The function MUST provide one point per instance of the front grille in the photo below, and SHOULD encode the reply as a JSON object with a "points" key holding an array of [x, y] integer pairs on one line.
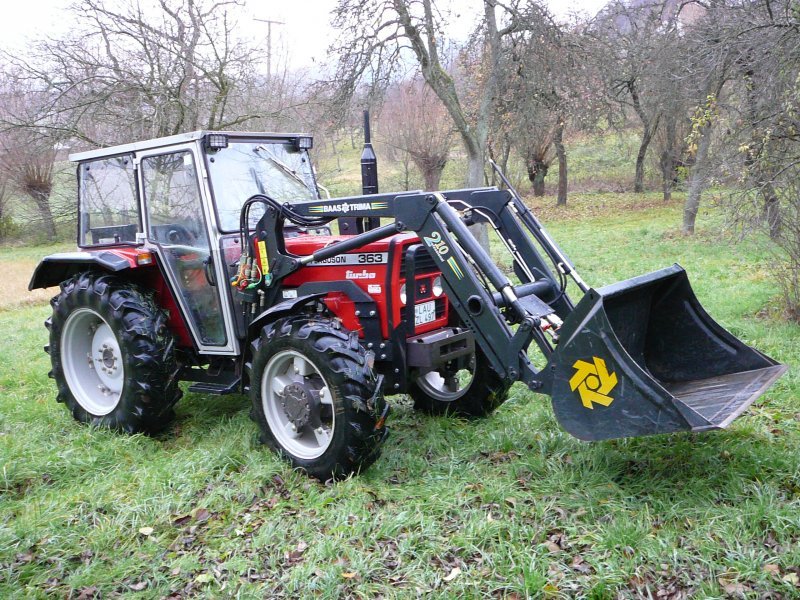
{"points": [[423, 261]]}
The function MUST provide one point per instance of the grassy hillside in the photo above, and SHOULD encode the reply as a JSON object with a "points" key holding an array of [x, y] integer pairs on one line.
{"points": [[509, 506]]}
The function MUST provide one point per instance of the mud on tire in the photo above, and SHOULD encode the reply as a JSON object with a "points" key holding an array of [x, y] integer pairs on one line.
{"points": [[309, 361], [118, 329]]}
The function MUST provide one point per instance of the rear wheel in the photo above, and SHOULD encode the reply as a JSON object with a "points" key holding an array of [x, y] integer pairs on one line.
{"points": [[472, 389], [315, 398], [112, 355]]}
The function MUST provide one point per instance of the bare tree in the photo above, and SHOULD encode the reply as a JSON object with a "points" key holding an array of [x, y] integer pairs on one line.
{"points": [[415, 121], [540, 89], [27, 155], [27, 167], [761, 150], [634, 43], [379, 37], [141, 69], [707, 71]]}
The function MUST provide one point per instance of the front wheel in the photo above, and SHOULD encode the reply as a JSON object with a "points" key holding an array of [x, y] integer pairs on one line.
{"points": [[470, 390], [315, 397]]}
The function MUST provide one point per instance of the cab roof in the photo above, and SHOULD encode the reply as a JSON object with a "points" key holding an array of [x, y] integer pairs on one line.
{"points": [[180, 138]]}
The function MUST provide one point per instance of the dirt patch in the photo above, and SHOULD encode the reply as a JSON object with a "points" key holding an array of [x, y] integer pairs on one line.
{"points": [[15, 274]]}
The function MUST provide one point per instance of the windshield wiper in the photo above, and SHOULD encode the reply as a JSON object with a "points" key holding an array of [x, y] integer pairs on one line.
{"points": [[287, 170]]}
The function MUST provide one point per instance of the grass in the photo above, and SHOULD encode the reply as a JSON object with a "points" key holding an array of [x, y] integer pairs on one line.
{"points": [[509, 506]]}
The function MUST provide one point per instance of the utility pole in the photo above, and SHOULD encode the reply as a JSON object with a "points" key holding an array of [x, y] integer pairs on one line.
{"points": [[269, 23]]}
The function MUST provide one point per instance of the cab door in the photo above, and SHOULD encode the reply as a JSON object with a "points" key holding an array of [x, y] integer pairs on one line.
{"points": [[178, 225]]}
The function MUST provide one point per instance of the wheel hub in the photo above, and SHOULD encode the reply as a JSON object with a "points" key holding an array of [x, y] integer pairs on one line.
{"points": [[92, 362], [296, 402], [108, 358]]}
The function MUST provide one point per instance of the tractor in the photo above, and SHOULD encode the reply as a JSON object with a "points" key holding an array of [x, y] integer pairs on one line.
{"points": [[215, 258]]}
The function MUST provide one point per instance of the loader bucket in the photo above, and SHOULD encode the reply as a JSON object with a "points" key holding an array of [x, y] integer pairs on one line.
{"points": [[642, 357]]}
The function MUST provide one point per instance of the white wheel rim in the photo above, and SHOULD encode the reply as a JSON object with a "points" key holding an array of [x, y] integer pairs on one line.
{"points": [[297, 404], [449, 388], [92, 362]]}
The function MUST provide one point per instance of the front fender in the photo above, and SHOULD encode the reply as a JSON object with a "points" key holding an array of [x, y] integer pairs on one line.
{"points": [[56, 268], [283, 309]]}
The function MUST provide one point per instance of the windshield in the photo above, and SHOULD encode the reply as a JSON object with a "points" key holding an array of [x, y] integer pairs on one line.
{"points": [[243, 169]]}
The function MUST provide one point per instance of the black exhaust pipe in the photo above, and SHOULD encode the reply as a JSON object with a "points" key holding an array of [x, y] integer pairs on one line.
{"points": [[369, 185]]}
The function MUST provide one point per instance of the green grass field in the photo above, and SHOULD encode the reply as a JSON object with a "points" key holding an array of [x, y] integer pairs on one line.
{"points": [[509, 506]]}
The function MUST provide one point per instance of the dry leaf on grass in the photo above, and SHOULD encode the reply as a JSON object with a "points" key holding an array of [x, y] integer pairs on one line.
{"points": [[453, 574]]}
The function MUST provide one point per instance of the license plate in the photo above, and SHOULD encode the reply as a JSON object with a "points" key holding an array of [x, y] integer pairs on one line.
{"points": [[425, 312]]}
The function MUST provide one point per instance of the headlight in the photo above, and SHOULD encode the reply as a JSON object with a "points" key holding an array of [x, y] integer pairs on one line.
{"points": [[438, 290], [403, 296]]}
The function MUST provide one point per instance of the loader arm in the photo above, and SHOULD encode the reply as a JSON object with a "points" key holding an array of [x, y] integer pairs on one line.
{"points": [[639, 357], [440, 221]]}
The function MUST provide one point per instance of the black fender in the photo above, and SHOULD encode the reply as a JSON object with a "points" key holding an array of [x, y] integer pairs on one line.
{"points": [[56, 268], [282, 309]]}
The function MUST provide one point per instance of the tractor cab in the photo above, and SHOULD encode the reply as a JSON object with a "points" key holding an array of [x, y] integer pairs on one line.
{"points": [[179, 200]]}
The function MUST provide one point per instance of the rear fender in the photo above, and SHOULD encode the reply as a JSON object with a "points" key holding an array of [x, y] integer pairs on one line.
{"points": [[56, 268]]}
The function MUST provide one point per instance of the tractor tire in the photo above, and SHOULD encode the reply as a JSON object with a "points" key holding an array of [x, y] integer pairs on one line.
{"points": [[113, 357], [472, 392], [315, 397]]}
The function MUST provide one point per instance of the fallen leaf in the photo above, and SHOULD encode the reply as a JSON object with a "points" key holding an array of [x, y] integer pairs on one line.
{"points": [[453, 574], [87, 593], [792, 578], [580, 565], [512, 502], [182, 520], [146, 531], [553, 547], [489, 517], [138, 587], [201, 514], [550, 590], [735, 587], [774, 569], [204, 578], [349, 575]]}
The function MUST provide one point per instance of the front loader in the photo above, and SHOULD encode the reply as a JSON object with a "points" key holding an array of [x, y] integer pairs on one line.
{"points": [[223, 270]]}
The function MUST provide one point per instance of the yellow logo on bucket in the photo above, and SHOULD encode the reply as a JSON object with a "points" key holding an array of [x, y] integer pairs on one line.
{"points": [[593, 382]]}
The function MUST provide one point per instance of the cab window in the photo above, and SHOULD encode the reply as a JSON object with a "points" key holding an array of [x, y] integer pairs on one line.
{"points": [[109, 207]]}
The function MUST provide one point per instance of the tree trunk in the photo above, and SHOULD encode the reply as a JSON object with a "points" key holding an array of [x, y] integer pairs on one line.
{"points": [[474, 169], [772, 212], [475, 179], [697, 181], [432, 176], [760, 174], [48, 223], [406, 173], [537, 171], [504, 160], [647, 137], [667, 160], [561, 153]]}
